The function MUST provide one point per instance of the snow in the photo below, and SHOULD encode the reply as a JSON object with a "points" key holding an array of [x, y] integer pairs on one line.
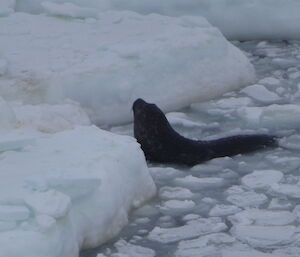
{"points": [[57, 188], [114, 60], [242, 20]]}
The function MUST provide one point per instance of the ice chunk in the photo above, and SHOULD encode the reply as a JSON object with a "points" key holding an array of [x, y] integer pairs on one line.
{"points": [[262, 179], [261, 94], [52, 203], [244, 253], [268, 237], [203, 246], [13, 213], [224, 210], [114, 60], [179, 193], [177, 206], [263, 217], [164, 173], [247, 199], [126, 249], [194, 228], [270, 81], [273, 116], [289, 190], [279, 204], [178, 118], [195, 183], [69, 10]]}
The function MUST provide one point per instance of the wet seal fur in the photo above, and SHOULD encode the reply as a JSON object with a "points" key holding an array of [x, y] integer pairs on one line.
{"points": [[161, 143]]}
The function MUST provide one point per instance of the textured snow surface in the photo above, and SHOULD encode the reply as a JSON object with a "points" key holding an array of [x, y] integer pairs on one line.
{"points": [[114, 60], [69, 190], [255, 19]]}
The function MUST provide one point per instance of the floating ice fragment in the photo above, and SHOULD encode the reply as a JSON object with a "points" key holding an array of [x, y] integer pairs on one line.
{"points": [[69, 10], [289, 190], [263, 217], [177, 206], [247, 199], [196, 183], [194, 228], [268, 237], [208, 245], [127, 249], [262, 179], [261, 94], [223, 210], [180, 193]]}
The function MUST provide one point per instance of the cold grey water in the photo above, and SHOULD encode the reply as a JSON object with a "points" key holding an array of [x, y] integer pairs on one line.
{"points": [[248, 205]]}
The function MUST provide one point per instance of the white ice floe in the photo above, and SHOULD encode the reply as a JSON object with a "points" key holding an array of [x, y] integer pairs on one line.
{"points": [[289, 190], [125, 249], [262, 179], [179, 193], [267, 237], [114, 60], [175, 207], [164, 173], [280, 204], [236, 19], [208, 245], [224, 210], [181, 119], [195, 183], [69, 10], [273, 116], [261, 94], [69, 190], [192, 229], [263, 217], [247, 199]]}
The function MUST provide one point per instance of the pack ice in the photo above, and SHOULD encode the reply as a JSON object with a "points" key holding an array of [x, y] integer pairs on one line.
{"points": [[105, 63]]}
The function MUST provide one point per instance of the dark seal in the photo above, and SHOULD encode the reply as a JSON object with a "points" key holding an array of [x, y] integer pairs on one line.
{"points": [[161, 143]]}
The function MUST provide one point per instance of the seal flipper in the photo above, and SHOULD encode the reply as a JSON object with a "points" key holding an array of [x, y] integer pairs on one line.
{"points": [[240, 144]]}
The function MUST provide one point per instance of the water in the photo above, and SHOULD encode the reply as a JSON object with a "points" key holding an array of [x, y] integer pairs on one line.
{"points": [[202, 202]]}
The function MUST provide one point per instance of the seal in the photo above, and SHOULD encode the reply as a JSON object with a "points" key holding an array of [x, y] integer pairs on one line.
{"points": [[161, 143]]}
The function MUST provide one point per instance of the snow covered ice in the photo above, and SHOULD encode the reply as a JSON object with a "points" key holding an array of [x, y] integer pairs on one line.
{"points": [[114, 60], [67, 185]]}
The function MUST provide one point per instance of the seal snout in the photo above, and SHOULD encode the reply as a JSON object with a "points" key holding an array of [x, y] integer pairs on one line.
{"points": [[138, 103]]}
